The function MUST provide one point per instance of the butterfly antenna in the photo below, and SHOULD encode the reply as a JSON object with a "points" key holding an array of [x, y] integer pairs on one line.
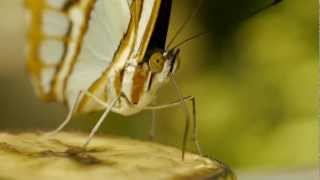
{"points": [[185, 108], [190, 38], [186, 22], [275, 2]]}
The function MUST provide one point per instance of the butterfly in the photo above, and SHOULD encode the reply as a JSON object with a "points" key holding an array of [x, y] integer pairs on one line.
{"points": [[108, 55]]}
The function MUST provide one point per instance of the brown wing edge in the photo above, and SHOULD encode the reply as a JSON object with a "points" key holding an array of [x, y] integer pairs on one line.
{"points": [[98, 87], [34, 37]]}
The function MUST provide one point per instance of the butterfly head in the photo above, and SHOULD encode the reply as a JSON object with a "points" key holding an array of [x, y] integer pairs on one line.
{"points": [[162, 65]]}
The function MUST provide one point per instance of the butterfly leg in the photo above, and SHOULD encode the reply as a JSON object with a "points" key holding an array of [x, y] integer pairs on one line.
{"points": [[106, 112], [195, 126], [69, 116], [100, 121], [194, 118], [152, 132], [73, 109], [153, 121], [103, 116]]}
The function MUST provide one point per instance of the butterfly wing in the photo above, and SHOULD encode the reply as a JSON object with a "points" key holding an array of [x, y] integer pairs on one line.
{"points": [[54, 30], [72, 44], [107, 27], [109, 66], [159, 34]]}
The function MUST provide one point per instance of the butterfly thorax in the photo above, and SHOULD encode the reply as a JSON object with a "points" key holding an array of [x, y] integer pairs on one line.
{"points": [[141, 82]]}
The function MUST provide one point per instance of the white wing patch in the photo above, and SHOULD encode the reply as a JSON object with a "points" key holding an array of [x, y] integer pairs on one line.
{"points": [[51, 51], [47, 75], [55, 23], [49, 35], [145, 17], [56, 3], [78, 17], [108, 23]]}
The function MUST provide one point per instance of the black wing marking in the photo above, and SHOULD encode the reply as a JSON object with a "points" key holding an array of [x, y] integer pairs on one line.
{"points": [[159, 35]]}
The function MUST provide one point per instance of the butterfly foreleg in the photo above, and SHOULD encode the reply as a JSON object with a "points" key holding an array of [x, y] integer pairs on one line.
{"points": [[152, 132], [74, 108], [105, 113], [168, 105], [101, 119], [69, 116], [194, 117]]}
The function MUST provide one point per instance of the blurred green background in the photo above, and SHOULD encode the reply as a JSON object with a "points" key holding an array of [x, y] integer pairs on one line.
{"points": [[255, 82]]}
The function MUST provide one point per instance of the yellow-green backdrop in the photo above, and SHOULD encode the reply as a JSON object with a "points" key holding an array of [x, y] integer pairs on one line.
{"points": [[255, 83]]}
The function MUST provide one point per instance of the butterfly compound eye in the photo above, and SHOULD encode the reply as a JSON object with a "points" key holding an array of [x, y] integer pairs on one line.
{"points": [[156, 62]]}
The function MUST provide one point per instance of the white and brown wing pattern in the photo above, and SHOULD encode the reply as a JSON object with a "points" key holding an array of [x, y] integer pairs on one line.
{"points": [[106, 41], [117, 37], [84, 45], [55, 31]]}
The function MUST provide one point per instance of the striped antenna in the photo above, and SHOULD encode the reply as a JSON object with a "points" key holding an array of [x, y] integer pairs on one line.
{"points": [[275, 2], [186, 22]]}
